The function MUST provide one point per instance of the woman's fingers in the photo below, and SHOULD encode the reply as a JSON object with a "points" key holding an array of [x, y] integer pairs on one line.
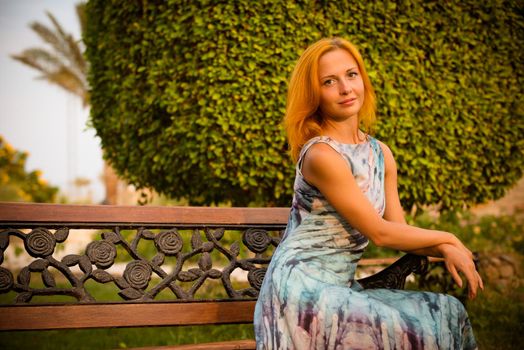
{"points": [[473, 284], [453, 271], [461, 261], [481, 283], [473, 278]]}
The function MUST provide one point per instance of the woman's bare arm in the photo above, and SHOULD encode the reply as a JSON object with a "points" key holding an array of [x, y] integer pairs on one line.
{"points": [[324, 168], [394, 211]]}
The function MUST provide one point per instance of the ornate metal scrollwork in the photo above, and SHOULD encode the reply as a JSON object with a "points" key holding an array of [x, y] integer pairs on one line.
{"points": [[143, 278], [190, 266], [256, 240], [6, 280], [101, 253], [394, 276], [256, 277]]}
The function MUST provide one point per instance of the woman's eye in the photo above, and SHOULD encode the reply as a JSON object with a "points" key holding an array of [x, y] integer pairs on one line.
{"points": [[329, 82], [352, 74]]}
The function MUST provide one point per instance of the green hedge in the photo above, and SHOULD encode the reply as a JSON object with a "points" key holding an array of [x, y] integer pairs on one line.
{"points": [[188, 96]]}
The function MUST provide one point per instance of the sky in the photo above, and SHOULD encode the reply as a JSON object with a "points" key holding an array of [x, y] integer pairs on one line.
{"points": [[38, 117]]}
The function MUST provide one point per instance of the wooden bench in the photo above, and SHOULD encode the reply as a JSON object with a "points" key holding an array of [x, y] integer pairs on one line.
{"points": [[193, 247]]}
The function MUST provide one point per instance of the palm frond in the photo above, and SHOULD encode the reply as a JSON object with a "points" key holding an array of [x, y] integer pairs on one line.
{"points": [[59, 40], [30, 61], [68, 80], [42, 57], [65, 65], [76, 57], [55, 72], [48, 36], [57, 25], [70, 48], [81, 14], [77, 49]]}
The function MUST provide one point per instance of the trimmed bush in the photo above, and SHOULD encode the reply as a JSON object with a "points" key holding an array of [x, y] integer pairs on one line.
{"points": [[188, 96]]}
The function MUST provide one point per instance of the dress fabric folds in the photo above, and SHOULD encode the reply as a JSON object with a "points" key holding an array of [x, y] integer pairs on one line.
{"points": [[310, 299]]}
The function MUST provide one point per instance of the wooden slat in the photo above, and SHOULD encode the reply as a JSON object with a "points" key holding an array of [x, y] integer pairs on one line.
{"points": [[389, 261], [377, 261], [29, 317], [224, 345], [62, 213]]}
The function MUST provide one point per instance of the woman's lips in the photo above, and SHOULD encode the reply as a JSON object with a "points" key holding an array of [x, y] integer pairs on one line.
{"points": [[347, 102]]}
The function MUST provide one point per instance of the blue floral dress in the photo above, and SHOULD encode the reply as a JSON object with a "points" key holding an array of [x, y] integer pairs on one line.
{"points": [[309, 298]]}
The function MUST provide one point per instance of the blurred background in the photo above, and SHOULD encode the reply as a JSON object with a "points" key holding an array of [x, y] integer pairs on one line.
{"points": [[39, 117]]}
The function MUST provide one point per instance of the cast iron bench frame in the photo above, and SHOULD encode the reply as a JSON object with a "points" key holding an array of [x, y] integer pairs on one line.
{"points": [[42, 226]]}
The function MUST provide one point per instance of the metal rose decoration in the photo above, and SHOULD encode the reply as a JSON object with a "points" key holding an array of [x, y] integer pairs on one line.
{"points": [[40, 243], [101, 253], [169, 242], [192, 265], [6, 280], [256, 240], [255, 277], [138, 274]]}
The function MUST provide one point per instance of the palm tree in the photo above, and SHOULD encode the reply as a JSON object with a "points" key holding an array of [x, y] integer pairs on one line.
{"points": [[65, 64]]}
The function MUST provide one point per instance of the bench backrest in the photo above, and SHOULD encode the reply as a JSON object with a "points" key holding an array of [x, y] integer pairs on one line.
{"points": [[172, 253]]}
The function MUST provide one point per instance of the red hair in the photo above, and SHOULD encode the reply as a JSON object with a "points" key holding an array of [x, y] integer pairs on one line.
{"points": [[303, 120]]}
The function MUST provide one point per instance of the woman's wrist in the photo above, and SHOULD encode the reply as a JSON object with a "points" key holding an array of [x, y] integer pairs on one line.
{"points": [[453, 240], [444, 249], [453, 244]]}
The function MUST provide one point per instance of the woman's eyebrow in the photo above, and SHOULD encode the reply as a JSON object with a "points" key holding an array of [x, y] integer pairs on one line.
{"points": [[328, 76], [334, 75]]}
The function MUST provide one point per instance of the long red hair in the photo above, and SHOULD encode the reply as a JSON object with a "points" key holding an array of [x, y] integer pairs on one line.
{"points": [[303, 120]]}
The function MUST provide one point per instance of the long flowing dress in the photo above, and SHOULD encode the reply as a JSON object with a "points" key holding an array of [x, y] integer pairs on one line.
{"points": [[310, 299]]}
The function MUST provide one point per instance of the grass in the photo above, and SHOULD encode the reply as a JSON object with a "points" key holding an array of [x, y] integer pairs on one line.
{"points": [[497, 318], [121, 338]]}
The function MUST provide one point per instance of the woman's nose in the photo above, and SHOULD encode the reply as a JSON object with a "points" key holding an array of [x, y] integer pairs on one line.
{"points": [[344, 87]]}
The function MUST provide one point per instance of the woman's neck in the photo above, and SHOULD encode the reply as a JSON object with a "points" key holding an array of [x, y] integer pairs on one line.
{"points": [[346, 131]]}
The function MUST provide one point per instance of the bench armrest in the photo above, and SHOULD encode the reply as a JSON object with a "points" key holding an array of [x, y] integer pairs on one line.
{"points": [[394, 276]]}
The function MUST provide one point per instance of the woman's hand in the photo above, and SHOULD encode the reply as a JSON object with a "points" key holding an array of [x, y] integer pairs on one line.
{"points": [[460, 259], [460, 246]]}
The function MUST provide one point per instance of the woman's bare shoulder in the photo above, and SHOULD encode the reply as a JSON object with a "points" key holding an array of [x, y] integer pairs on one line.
{"points": [[320, 149], [320, 155], [322, 162]]}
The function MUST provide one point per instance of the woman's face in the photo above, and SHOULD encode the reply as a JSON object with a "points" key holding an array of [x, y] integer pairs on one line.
{"points": [[341, 85]]}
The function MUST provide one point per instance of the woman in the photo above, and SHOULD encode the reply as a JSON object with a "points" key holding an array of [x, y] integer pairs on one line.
{"points": [[345, 195]]}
